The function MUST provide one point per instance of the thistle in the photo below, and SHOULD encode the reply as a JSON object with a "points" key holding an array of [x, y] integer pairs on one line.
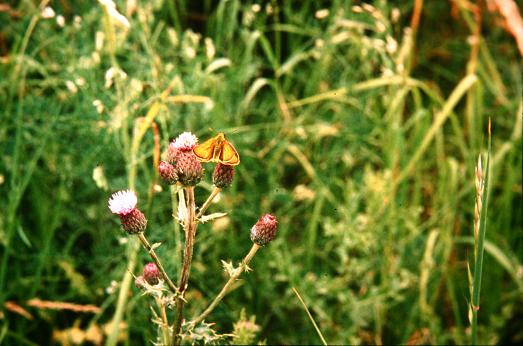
{"points": [[264, 231], [123, 203], [185, 142], [188, 168], [151, 274], [167, 172], [222, 175]]}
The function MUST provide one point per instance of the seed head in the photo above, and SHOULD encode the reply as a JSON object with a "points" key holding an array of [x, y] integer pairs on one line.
{"points": [[264, 231], [223, 175]]}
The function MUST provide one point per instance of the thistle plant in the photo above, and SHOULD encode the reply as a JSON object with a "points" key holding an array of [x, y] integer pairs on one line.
{"points": [[183, 169]]}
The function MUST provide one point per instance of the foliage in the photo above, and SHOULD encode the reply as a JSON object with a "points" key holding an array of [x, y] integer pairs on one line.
{"points": [[358, 128]]}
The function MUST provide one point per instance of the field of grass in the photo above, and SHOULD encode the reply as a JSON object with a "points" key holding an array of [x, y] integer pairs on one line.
{"points": [[359, 126]]}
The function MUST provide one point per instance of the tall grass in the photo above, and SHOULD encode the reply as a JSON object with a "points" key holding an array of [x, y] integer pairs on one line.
{"points": [[359, 129]]}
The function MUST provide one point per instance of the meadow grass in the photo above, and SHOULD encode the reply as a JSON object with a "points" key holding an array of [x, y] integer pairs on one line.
{"points": [[359, 129]]}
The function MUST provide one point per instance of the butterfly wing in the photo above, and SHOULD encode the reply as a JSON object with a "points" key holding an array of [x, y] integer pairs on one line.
{"points": [[204, 152], [229, 155]]}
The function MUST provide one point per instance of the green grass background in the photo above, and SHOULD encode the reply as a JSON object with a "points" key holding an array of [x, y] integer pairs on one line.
{"points": [[378, 247]]}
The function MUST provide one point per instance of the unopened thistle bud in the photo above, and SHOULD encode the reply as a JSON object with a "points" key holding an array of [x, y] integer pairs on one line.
{"points": [[222, 175], [167, 172], [123, 203], [264, 231], [188, 168], [151, 274]]}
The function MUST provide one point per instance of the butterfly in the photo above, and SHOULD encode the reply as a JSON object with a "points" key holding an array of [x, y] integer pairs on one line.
{"points": [[217, 149]]}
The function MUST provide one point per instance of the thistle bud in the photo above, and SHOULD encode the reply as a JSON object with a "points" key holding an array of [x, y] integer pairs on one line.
{"points": [[123, 203], [188, 168], [167, 172], [151, 274], [264, 231], [222, 175]]}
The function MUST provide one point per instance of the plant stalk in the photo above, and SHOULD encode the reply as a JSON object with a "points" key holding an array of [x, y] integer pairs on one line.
{"points": [[208, 202], [482, 192], [190, 232], [165, 322], [227, 286]]}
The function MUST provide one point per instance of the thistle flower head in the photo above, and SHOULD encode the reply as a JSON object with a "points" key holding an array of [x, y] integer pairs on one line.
{"points": [[167, 172], [264, 231], [185, 142], [188, 168], [123, 202], [151, 274], [223, 175]]}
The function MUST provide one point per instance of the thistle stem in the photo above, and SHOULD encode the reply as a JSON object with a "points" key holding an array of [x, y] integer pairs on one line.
{"points": [[227, 285], [208, 202], [190, 232], [157, 261], [165, 322]]}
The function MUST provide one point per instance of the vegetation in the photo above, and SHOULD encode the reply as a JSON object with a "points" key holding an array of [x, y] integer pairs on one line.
{"points": [[359, 126]]}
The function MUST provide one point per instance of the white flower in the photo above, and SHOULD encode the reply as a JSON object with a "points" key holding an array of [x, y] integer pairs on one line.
{"points": [[185, 141], [60, 20], [47, 13], [71, 86], [210, 50], [321, 14], [123, 202], [99, 106], [79, 81], [113, 73], [77, 20]]}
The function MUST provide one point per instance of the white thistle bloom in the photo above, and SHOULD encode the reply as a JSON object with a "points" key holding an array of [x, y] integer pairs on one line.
{"points": [[123, 202], [185, 141]]}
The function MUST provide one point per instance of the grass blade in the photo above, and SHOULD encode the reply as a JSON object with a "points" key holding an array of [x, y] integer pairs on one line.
{"points": [[310, 317]]}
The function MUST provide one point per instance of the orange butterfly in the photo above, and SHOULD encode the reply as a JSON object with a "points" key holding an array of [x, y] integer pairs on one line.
{"points": [[217, 149]]}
